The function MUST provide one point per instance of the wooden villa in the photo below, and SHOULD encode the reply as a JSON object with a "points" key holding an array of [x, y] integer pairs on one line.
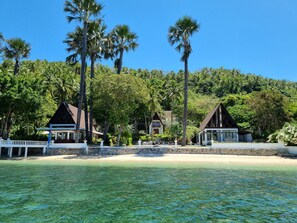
{"points": [[156, 126], [160, 122], [62, 125], [219, 126]]}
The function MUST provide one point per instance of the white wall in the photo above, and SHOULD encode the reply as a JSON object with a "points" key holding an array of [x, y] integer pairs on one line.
{"points": [[243, 145], [292, 149]]}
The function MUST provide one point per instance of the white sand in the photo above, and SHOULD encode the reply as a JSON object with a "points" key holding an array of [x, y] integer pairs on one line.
{"points": [[176, 158]]}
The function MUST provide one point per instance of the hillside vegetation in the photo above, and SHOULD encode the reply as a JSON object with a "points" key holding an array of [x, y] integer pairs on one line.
{"points": [[259, 105]]}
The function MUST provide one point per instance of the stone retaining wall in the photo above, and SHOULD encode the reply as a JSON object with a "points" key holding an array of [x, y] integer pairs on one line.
{"points": [[106, 151], [184, 150], [53, 152]]}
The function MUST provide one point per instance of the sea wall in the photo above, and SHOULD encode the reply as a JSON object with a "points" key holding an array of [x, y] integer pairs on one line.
{"points": [[107, 151], [68, 151], [246, 145], [182, 150], [292, 150]]}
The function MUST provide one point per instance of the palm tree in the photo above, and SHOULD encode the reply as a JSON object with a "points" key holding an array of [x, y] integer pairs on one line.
{"points": [[16, 49], [99, 45], [179, 35], [123, 40], [82, 11], [1, 39], [172, 93]]}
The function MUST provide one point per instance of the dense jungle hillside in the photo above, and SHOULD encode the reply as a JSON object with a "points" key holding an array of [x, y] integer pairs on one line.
{"points": [[259, 105]]}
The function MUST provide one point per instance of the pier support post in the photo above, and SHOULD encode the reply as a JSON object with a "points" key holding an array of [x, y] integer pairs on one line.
{"points": [[44, 150], [20, 151], [86, 147], [26, 152], [10, 152]]}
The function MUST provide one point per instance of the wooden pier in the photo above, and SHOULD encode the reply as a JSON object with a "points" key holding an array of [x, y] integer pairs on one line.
{"points": [[20, 145], [23, 144]]}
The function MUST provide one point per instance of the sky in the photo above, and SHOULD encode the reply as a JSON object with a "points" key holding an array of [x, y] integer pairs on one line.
{"points": [[253, 36]]}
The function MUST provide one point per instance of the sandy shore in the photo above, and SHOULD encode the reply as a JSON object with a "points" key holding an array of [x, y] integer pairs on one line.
{"points": [[175, 158]]}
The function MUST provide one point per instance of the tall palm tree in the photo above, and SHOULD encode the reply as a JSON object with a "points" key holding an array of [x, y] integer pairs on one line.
{"points": [[1, 39], [82, 11], [16, 49], [97, 48], [179, 35], [124, 40], [99, 45]]}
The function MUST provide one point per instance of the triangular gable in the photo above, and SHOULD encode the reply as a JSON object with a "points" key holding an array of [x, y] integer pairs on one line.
{"points": [[157, 117], [219, 117], [67, 114], [63, 115]]}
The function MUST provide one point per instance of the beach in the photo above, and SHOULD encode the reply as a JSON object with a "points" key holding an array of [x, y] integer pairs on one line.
{"points": [[171, 158]]}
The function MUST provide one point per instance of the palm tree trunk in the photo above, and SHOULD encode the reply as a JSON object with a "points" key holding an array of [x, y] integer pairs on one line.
{"points": [[16, 67], [82, 80], [146, 125], [120, 62], [119, 135], [86, 113], [91, 97], [106, 128], [184, 142]]}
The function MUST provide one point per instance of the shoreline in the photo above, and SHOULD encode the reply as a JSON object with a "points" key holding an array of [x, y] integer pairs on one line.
{"points": [[165, 158]]}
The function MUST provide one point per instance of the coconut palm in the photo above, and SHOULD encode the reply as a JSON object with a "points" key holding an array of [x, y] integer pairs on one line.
{"points": [[1, 40], [123, 40], [99, 45], [179, 35], [16, 49], [97, 48], [82, 11]]}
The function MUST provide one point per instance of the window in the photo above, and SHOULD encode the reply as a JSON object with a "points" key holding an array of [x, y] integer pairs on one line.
{"points": [[156, 124]]}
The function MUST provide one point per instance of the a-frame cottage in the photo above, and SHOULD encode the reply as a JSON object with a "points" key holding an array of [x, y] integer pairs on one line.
{"points": [[219, 126], [161, 121], [156, 126], [62, 125]]}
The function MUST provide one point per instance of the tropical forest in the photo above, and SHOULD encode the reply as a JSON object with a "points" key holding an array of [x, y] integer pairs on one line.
{"points": [[122, 100]]}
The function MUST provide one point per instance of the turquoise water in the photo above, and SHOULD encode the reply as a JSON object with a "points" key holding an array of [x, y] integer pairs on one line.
{"points": [[35, 192]]}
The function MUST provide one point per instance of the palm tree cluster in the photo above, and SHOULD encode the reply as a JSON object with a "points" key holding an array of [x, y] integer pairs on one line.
{"points": [[91, 41]]}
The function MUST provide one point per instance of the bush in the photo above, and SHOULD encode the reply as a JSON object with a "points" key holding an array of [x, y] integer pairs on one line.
{"points": [[288, 134]]}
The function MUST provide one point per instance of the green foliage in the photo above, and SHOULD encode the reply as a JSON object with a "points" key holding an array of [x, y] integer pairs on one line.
{"points": [[288, 134], [122, 40], [117, 96], [145, 138], [239, 110], [16, 49], [191, 132], [175, 131], [134, 96], [198, 107], [270, 112]]}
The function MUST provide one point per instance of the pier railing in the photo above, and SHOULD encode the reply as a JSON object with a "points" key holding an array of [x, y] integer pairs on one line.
{"points": [[22, 143], [10, 144]]}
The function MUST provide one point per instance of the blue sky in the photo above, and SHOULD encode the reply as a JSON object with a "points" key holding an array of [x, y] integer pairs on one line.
{"points": [[254, 36]]}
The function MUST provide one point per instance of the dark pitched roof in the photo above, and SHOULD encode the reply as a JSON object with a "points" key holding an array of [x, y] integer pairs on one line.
{"points": [[67, 114], [157, 117], [219, 117]]}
